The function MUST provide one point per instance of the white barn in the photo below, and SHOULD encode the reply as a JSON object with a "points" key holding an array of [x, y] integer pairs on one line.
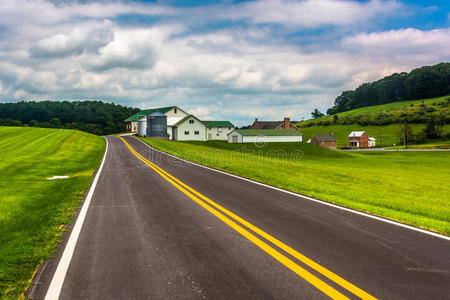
{"points": [[264, 136], [189, 128], [218, 130]]}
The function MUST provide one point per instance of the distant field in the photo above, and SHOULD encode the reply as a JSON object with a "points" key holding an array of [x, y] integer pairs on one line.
{"points": [[32, 208], [411, 187], [386, 135]]}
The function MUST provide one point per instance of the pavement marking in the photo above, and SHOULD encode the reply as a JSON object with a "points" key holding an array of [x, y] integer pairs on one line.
{"points": [[57, 282], [204, 201], [392, 222]]}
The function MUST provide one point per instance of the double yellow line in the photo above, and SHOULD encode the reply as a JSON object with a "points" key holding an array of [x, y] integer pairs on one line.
{"points": [[224, 215]]}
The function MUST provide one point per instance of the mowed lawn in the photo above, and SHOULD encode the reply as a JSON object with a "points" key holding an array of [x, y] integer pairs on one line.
{"points": [[32, 208], [411, 187]]}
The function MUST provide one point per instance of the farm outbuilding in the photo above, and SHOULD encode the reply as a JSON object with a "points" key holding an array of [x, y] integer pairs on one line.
{"points": [[190, 128], [218, 130], [324, 140], [264, 136]]}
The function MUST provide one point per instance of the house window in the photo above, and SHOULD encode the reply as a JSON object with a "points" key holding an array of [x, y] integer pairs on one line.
{"points": [[217, 134], [191, 121], [186, 133], [175, 110], [196, 132], [209, 128], [219, 129], [229, 128]]}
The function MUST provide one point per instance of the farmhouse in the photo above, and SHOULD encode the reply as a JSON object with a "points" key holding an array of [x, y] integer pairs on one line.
{"points": [[324, 140], [218, 130], [360, 139], [264, 136], [285, 124]]}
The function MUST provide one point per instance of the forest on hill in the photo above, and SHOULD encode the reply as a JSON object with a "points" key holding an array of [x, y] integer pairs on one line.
{"points": [[95, 117], [420, 83]]}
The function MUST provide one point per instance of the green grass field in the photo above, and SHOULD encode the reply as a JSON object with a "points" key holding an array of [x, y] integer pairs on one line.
{"points": [[32, 208], [394, 108], [386, 135], [411, 187]]}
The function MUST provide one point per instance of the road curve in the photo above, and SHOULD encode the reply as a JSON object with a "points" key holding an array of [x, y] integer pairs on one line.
{"points": [[143, 237]]}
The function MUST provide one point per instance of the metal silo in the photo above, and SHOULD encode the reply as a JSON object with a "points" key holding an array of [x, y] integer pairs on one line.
{"points": [[142, 127], [157, 125]]}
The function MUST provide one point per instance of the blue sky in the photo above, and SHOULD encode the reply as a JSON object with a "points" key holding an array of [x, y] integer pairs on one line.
{"points": [[233, 60]]}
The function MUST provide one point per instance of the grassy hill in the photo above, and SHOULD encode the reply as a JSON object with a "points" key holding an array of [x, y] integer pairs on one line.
{"points": [[356, 180], [32, 208], [383, 122]]}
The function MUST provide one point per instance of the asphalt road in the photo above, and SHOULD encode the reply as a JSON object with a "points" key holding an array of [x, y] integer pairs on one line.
{"points": [[144, 238]]}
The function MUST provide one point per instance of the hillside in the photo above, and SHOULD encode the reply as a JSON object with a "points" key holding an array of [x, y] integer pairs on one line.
{"points": [[32, 208], [420, 83], [384, 122]]}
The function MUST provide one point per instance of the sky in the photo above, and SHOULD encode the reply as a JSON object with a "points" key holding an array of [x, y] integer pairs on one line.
{"points": [[220, 60]]}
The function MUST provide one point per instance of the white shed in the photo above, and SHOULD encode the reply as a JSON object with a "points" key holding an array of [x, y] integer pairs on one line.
{"points": [[189, 128], [218, 130], [261, 136]]}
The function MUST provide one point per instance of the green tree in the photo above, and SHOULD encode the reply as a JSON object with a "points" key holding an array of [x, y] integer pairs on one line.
{"points": [[55, 122], [317, 114]]}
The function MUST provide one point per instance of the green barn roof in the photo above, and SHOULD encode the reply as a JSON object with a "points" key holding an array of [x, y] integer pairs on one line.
{"points": [[218, 123], [145, 112], [268, 132]]}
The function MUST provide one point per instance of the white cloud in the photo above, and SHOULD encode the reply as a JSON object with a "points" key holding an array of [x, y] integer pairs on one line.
{"points": [[402, 41], [79, 41], [313, 13], [131, 49]]}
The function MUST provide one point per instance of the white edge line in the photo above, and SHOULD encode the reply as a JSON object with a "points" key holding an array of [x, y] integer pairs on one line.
{"points": [[309, 198], [57, 282]]}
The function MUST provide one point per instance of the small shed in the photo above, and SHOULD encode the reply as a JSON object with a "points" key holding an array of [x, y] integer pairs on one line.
{"points": [[324, 140], [264, 136], [372, 142]]}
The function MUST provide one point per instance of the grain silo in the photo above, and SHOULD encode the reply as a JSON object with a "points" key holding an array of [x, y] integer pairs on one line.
{"points": [[142, 127], [157, 125]]}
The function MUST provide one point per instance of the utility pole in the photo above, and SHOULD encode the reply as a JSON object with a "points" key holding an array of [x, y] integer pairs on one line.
{"points": [[381, 139], [404, 138]]}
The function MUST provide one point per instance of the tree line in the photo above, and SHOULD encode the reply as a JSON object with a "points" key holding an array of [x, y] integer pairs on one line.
{"points": [[421, 83], [95, 117]]}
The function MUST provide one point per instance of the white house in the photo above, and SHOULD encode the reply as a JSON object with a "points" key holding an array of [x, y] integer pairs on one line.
{"points": [[261, 136], [372, 142], [218, 130], [189, 128]]}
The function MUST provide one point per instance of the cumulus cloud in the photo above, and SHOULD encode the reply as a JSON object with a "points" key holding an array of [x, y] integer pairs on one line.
{"points": [[131, 49], [403, 41], [79, 41]]}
